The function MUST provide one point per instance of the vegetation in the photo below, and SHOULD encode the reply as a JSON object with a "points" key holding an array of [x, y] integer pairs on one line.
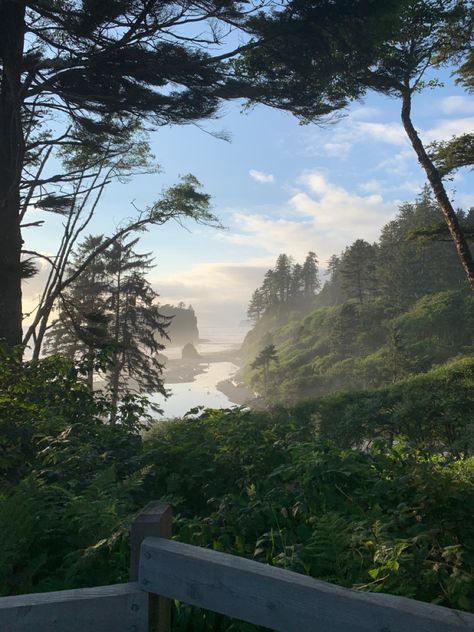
{"points": [[317, 56], [112, 309], [360, 470], [291, 487], [388, 310]]}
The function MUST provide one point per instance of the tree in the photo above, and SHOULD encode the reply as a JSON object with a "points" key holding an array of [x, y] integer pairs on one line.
{"points": [[317, 56], [178, 202], [282, 277], [112, 307], [81, 327], [256, 306], [96, 68], [410, 263], [264, 359], [311, 274], [269, 289], [358, 269], [297, 281]]}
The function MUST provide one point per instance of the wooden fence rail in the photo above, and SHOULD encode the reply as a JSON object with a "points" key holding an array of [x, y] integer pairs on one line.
{"points": [[118, 608], [280, 599], [234, 586]]}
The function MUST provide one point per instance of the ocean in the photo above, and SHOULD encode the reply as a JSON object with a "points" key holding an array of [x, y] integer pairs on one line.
{"points": [[202, 390]]}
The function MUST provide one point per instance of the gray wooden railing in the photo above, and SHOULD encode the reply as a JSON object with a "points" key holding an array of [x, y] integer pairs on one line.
{"points": [[161, 569]]}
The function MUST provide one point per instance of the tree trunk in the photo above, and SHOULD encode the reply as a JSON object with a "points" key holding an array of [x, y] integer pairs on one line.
{"points": [[436, 183], [12, 28]]}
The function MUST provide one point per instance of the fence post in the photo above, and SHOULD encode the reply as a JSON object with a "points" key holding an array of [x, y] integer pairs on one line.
{"points": [[153, 521]]}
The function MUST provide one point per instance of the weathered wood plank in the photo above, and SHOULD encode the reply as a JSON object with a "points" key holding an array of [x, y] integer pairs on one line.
{"points": [[155, 520], [279, 599], [117, 608]]}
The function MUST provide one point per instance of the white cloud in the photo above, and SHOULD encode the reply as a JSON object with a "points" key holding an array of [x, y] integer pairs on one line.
{"points": [[371, 186], [319, 216], [392, 133], [339, 139], [402, 163], [447, 128], [338, 149], [457, 105], [219, 292], [260, 176]]}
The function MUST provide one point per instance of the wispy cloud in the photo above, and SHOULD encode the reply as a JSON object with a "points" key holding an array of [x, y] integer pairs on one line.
{"points": [[260, 176], [219, 292], [318, 216], [457, 105], [391, 133], [447, 128]]}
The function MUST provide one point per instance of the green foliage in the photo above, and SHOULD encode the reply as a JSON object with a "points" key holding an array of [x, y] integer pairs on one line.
{"points": [[291, 487], [287, 287], [111, 309], [67, 479], [267, 486], [389, 310]]}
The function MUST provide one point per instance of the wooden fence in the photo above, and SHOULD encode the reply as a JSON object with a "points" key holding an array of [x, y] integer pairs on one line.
{"points": [[162, 569]]}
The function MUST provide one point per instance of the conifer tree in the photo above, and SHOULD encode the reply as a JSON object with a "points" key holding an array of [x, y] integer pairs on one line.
{"points": [[297, 281], [311, 279], [282, 276], [358, 270], [113, 307], [256, 306], [96, 68]]}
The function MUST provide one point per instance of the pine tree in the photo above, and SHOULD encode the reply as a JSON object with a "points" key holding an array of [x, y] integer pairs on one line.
{"points": [[283, 277], [297, 281], [256, 306], [269, 289], [358, 270], [81, 327], [265, 358], [311, 279], [115, 296]]}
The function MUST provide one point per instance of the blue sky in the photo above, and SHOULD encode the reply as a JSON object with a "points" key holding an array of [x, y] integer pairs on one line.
{"points": [[278, 187]]}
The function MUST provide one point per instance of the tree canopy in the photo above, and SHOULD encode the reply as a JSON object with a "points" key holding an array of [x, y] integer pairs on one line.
{"points": [[96, 69], [315, 57]]}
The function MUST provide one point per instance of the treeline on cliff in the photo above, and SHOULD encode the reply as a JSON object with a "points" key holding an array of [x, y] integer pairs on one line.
{"points": [[388, 310]]}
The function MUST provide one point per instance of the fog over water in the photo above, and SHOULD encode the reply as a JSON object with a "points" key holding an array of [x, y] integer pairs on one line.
{"points": [[202, 391]]}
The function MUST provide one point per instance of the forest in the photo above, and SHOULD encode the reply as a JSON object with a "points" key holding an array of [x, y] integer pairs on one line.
{"points": [[389, 310], [354, 461]]}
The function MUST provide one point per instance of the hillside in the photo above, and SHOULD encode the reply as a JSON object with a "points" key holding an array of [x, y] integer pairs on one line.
{"points": [[389, 310]]}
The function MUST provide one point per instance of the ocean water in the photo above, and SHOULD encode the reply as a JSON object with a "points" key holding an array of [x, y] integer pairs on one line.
{"points": [[202, 391]]}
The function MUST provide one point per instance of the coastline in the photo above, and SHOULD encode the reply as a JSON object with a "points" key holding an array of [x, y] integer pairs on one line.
{"points": [[179, 371]]}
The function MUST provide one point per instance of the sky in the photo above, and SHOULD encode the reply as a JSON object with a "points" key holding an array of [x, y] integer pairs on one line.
{"points": [[277, 186]]}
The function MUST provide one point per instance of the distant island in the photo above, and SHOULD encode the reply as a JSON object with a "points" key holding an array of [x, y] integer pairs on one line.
{"points": [[183, 328]]}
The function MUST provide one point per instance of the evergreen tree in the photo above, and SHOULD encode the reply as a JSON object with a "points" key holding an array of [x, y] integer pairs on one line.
{"points": [[358, 270], [82, 324], [95, 68], [256, 306], [270, 289], [265, 358], [297, 281], [282, 277], [115, 297], [311, 279]]}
